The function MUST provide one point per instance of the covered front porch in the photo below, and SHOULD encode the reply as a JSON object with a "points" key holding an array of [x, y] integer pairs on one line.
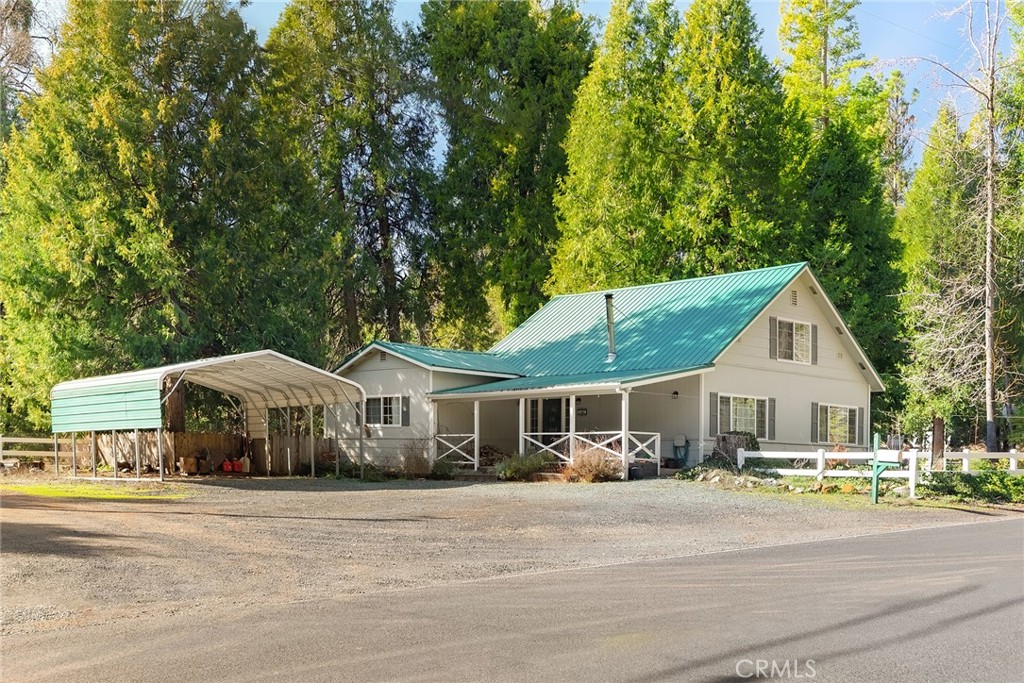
{"points": [[640, 424]]}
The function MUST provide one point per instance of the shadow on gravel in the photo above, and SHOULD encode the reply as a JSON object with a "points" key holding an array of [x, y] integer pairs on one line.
{"points": [[85, 506], [751, 651], [51, 539], [323, 485]]}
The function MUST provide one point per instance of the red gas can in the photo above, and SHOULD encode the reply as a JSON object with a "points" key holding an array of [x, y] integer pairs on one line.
{"points": [[227, 467], [236, 466]]}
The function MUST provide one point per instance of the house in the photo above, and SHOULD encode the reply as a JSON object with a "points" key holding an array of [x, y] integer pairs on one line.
{"points": [[663, 368]]}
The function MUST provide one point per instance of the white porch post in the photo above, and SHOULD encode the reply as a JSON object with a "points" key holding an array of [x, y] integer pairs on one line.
{"points": [[625, 434], [476, 435], [434, 429], [572, 428], [522, 426]]}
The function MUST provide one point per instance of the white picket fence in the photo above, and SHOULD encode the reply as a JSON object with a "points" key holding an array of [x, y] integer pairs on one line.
{"points": [[917, 463]]}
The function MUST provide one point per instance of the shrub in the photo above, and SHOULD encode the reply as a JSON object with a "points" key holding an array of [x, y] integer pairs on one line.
{"points": [[443, 468], [991, 486], [591, 465], [415, 463], [519, 468]]}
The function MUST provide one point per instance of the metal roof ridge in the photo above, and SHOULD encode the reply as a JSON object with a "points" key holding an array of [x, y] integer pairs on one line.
{"points": [[675, 282]]}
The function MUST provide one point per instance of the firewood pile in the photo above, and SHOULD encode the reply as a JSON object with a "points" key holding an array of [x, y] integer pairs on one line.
{"points": [[490, 455]]}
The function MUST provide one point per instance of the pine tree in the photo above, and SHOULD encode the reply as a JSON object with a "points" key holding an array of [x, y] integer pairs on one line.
{"points": [[505, 76]]}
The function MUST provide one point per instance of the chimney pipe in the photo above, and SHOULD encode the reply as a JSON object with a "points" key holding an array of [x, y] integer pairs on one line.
{"points": [[611, 327]]}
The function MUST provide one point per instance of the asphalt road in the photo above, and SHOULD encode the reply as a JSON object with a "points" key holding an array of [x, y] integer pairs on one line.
{"points": [[939, 604]]}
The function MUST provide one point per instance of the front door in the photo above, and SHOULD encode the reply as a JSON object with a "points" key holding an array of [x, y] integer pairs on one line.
{"points": [[552, 419]]}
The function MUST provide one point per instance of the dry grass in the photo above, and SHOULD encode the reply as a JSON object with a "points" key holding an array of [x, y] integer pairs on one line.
{"points": [[592, 465]]}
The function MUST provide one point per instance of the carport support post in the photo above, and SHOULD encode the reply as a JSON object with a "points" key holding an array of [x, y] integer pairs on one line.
{"points": [[572, 428], [476, 435], [74, 454], [56, 455], [312, 446], [92, 448], [288, 423], [113, 449], [625, 434], [159, 452], [522, 426], [138, 457]]}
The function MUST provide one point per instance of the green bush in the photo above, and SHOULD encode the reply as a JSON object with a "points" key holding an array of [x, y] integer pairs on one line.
{"points": [[519, 468], [442, 468], [990, 486]]}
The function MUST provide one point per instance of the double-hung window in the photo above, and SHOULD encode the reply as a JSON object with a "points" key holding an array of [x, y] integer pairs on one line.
{"points": [[836, 424], [383, 410], [743, 414], [794, 341]]}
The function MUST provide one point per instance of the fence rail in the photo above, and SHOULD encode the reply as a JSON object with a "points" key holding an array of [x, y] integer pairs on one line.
{"points": [[917, 463]]}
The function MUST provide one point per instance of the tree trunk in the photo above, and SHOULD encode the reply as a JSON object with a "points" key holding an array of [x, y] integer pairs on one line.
{"points": [[389, 278], [174, 407], [990, 247]]}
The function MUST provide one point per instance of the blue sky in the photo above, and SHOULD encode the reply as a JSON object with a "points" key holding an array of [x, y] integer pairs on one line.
{"points": [[893, 31]]}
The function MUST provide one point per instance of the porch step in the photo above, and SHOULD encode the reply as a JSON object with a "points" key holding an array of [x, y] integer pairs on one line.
{"points": [[483, 474]]}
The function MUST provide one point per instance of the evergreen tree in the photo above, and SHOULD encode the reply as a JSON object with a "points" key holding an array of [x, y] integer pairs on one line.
{"points": [[688, 174], [845, 232], [505, 76], [346, 91], [614, 202], [140, 226], [943, 262], [823, 43], [732, 127]]}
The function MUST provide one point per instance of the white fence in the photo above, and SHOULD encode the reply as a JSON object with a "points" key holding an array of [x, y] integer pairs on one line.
{"points": [[917, 463]]}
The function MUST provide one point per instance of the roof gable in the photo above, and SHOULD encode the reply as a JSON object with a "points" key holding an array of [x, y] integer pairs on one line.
{"points": [[472, 362], [681, 324]]}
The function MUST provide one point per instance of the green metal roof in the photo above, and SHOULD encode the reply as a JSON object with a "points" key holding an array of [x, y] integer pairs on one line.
{"points": [[132, 400], [558, 382], [446, 359], [671, 325]]}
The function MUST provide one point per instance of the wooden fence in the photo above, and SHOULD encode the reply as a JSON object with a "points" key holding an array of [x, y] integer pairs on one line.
{"points": [[821, 463], [137, 453]]}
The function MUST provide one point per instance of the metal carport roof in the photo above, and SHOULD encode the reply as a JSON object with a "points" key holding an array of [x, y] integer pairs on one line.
{"points": [[133, 400]]}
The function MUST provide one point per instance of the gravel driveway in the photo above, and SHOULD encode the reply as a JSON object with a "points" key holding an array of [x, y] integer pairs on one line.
{"points": [[68, 562]]}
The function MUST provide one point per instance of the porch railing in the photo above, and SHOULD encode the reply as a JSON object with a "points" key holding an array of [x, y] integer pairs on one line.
{"points": [[642, 445], [457, 447]]}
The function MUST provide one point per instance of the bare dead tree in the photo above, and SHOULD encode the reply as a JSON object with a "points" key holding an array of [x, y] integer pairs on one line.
{"points": [[984, 24]]}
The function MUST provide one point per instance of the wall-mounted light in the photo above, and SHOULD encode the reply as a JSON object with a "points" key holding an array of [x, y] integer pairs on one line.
{"points": [[675, 394], [579, 400]]}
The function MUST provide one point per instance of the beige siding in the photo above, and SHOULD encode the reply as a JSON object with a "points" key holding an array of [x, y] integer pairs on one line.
{"points": [[394, 376], [747, 370]]}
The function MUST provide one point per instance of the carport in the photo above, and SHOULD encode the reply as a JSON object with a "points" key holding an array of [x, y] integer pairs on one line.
{"points": [[254, 383]]}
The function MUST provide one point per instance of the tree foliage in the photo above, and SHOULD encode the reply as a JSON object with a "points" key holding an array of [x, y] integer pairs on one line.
{"points": [[686, 177], [138, 228], [346, 88], [505, 75]]}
